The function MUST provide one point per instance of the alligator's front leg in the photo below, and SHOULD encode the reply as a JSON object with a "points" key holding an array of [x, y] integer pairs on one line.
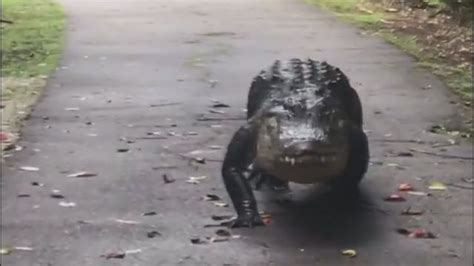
{"points": [[239, 155]]}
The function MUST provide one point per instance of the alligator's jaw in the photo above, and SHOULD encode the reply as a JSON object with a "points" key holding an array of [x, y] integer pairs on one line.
{"points": [[305, 169]]}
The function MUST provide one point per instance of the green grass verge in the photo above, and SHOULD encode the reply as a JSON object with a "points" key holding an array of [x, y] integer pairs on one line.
{"points": [[32, 45], [31, 49]]}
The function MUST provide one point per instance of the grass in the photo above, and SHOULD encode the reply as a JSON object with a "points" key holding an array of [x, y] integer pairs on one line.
{"points": [[31, 46], [458, 79], [30, 51], [347, 10]]}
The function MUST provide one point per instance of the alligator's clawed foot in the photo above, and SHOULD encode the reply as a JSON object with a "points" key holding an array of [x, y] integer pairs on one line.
{"points": [[247, 221]]}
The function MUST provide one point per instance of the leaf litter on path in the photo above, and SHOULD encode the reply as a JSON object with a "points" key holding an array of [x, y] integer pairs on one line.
{"points": [[349, 253], [29, 168], [113, 255], [127, 221], [56, 194], [168, 179], [221, 204], [153, 234], [9, 250], [68, 204], [416, 233], [83, 174], [394, 198], [211, 197], [196, 179], [419, 193], [221, 217], [405, 187], [266, 218], [436, 185]]}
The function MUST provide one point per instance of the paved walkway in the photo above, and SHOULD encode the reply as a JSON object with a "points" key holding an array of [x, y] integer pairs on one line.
{"points": [[133, 67]]}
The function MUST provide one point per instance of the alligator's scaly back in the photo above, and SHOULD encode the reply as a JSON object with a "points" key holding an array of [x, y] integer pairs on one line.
{"points": [[279, 80]]}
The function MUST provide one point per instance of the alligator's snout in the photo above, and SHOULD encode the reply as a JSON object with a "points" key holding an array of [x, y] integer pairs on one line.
{"points": [[309, 151]]}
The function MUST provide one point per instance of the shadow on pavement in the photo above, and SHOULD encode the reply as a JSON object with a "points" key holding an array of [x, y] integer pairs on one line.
{"points": [[319, 218]]}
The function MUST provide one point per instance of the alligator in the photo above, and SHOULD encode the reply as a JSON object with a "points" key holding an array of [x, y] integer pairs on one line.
{"points": [[304, 125]]}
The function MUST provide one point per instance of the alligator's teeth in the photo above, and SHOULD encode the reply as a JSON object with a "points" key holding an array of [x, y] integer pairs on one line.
{"points": [[293, 161]]}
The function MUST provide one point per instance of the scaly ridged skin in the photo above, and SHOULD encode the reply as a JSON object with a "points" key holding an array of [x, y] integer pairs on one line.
{"points": [[304, 125]]}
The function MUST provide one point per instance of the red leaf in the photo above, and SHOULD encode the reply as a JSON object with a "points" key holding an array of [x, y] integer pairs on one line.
{"points": [[3, 137], [395, 198], [405, 187]]}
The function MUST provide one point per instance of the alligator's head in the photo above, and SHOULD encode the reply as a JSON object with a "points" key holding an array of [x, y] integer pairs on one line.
{"points": [[303, 137]]}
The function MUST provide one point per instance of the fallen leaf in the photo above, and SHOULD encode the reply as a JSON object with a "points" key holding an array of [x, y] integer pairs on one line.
{"points": [[29, 168], [153, 234], [393, 164], [114, 255], [418, 193], [133, 251], [82, 174], [405, 187], [168, 179], [349, 253], [221, 217], [56, 194], [468, 180], [200, 160], [152, 213], [5, 251], [417, 233], [410, 211], [221, 204], [421, 233], [217, 239], [435, 185], [195, 179], [4, 137], [213, 111], [23, 248], [67, 204], [211, 197], [266, 218], [220, 105], [126, 221], [391, 9], [216, 147], [405, 154], [197, 240], [395, 198], [223, 233]]}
